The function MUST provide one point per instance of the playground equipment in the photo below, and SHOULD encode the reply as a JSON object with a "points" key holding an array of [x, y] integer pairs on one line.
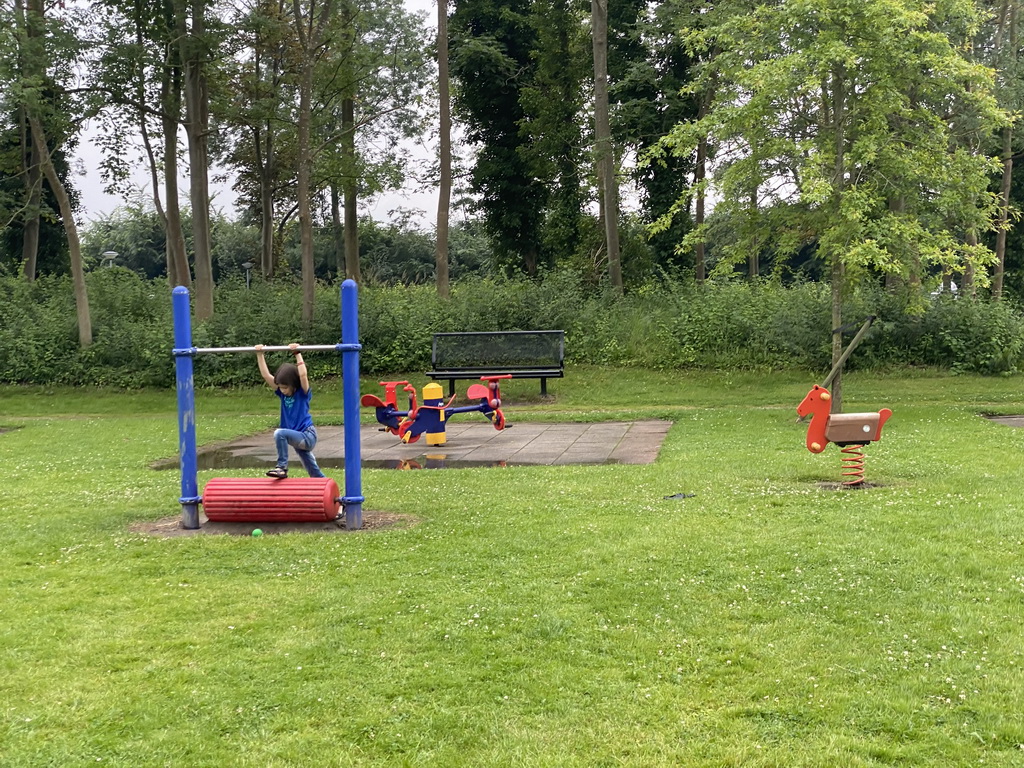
{"points": [[850, 431], [432, 415], [262, 499]]}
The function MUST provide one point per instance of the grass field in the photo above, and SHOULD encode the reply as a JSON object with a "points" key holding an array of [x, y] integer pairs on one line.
{"points": [[535, 616]]}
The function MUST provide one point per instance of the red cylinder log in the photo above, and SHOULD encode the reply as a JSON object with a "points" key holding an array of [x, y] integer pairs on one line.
{"points": [[266, 500]]}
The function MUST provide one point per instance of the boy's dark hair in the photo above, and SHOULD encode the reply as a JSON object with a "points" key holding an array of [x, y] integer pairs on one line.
{"points": [[288, 374]]}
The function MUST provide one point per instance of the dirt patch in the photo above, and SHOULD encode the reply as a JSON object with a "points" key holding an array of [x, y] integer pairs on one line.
{"points": [[843, 487], [170, 527]]}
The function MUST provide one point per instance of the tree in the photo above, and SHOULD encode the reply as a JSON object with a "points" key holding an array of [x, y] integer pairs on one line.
{"points": [[49, 52], [30, 242], [258, 127], [444, 193], [838, 107], [310, 27], [349, 98], [604, 150], [195, 49], [1004, 55], [21, 202], [377, 71], [648, 68], [140, 75], [492, 57], [554, 105]]}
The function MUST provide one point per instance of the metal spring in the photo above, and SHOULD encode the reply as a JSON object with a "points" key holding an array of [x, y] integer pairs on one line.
{"points": [[853, 464]]}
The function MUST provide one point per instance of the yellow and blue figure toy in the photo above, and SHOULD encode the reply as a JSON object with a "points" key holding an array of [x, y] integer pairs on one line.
{"points": [[432, 415]]}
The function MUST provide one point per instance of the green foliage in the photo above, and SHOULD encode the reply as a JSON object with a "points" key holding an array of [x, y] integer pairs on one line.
{"points": [[135, 234], [830, 116], [649, 69], [389, 253], [975, 336], [727, 325], [494, 58]]}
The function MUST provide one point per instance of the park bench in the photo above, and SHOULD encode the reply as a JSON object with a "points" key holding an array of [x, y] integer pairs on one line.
{"points": [[521, 354]]}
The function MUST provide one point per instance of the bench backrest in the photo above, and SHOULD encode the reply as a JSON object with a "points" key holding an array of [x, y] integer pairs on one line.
{"points": [[499, 349]]}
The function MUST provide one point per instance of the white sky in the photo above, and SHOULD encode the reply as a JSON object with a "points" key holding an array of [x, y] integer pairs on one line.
{"points": [[97, 203]]}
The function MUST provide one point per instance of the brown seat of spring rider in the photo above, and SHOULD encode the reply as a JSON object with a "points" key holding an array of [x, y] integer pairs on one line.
{"points": [[845, 428]]}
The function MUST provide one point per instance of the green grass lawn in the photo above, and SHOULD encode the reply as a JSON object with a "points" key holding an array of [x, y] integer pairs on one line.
{"points": [[538, 616]]}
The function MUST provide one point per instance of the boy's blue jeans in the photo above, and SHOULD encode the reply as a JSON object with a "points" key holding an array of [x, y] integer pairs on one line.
{"points": [[303, 443]]}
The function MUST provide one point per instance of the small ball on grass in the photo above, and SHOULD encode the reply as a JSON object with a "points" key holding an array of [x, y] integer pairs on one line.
{"points": [[257, 532]]}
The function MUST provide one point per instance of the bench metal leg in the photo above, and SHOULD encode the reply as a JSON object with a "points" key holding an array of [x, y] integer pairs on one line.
{"points": [[451, 387], [543, 387]]}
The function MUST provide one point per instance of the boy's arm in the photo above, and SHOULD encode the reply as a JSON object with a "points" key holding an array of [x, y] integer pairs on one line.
{"points": [[264, 371], [301, 365]]}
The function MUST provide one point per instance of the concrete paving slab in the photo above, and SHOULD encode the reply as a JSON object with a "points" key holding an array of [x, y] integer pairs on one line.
{"points": [[468, 444], [1009, 421]]}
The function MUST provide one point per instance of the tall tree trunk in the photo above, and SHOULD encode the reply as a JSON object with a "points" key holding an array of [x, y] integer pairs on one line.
{"points": [[309, 32], [269, 69], [266, 171], [177, 251], [603, 141], [178, 271], [898, 206], [444, 190], [265, 155], [32, 217], [30, 17], [348, 143], [67, 215], [303, 193], [754, 257], [267, 261], [337, 229], [968, 287], [838, 115], [196, 131], [700, 173], [351, 232], [1003, 221], [837, 336]]}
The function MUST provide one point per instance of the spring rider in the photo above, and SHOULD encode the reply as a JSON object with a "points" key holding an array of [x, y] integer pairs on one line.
{"points": [[850, 431], [432, 415]]}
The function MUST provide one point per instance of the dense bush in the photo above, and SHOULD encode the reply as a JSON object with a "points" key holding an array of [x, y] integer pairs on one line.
{"points": [[728, 325]]}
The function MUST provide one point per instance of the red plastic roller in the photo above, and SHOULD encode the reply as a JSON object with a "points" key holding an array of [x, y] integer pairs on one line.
{"points": [[266, 500]]}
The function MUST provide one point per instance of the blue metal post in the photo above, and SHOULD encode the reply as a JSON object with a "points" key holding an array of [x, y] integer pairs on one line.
{"points": [[183, 352], [353, 498]]}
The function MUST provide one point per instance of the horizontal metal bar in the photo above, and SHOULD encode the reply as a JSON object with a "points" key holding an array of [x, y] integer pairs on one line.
{"points": [[301, 348], [192, 351]]}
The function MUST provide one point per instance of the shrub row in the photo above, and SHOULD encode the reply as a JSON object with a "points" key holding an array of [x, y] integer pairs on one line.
{"points": [[731, 325]]}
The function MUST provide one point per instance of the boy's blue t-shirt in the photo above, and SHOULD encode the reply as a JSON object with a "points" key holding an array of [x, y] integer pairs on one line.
{"points": [[295, 410]]}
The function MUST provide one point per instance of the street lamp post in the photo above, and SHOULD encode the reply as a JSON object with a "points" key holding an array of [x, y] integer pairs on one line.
{"points": [[108, 258], [247, 266]]}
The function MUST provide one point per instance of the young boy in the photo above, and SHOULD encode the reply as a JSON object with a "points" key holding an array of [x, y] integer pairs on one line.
{"points": [[291, 385]]}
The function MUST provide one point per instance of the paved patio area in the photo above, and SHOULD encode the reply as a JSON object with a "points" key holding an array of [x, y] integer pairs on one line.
{"points": [[1009, 421], [468, 444]]}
